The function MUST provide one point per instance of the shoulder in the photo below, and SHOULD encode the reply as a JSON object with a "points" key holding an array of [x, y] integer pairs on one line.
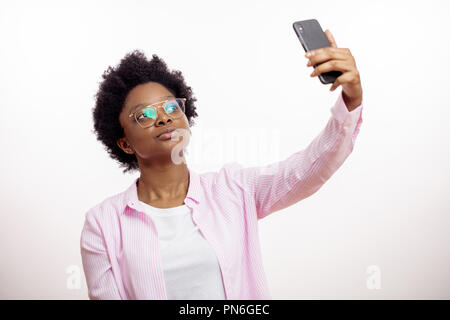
{"points": [[237, 173], [228, 171], [231, 177], [107, 208]]}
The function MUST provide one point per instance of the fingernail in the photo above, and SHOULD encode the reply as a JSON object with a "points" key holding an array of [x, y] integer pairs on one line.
{"points": [[309, 63], [308, 54]]}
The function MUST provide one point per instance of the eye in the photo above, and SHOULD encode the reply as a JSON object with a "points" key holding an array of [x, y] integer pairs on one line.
{"points": [[171, 107], [146, 113]]}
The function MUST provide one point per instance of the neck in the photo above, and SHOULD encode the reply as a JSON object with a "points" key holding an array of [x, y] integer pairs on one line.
{"points": [[163, 183]]}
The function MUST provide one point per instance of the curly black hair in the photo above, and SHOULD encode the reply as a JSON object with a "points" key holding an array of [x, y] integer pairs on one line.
{"points": [[134, 69]]}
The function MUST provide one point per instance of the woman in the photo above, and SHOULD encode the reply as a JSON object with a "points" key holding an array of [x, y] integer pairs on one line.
{"points": [[177, 234]]}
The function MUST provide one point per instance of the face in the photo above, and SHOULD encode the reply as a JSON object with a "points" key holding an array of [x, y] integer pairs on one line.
{"points": [[143, 142]]}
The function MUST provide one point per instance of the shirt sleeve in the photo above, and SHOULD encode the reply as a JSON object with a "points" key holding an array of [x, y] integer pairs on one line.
{"points": [[96, 263], [283, 183]]}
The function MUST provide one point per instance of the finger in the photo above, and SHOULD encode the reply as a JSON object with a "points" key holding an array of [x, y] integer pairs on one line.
{"points": [[324, 54], [334, 85], [332, 65], [331, 38], [344, 78]]}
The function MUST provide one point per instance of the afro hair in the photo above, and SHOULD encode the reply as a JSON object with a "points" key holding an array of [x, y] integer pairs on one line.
{"points": [[134, 69]]}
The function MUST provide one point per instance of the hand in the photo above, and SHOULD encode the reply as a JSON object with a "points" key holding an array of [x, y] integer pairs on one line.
{"points": [[338, 59]]}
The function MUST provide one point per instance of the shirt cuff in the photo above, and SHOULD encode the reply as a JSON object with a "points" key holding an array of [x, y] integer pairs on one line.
{"points": [[340, 111]]}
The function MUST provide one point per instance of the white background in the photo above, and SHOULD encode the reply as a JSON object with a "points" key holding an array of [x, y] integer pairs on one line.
{"points": [[387, 206]]}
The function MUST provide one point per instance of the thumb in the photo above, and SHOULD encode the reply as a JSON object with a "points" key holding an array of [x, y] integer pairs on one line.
{"points": [[330, 38]]}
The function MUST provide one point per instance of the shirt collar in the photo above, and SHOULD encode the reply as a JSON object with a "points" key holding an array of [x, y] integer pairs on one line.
{"points": [[194, 194]]}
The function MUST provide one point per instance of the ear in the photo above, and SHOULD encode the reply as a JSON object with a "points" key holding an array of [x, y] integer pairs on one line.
{"points": [[330, 38], [124, 145]]}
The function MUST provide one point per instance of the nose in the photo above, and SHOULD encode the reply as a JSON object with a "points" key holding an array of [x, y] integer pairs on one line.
{"points": [[163, 118]]}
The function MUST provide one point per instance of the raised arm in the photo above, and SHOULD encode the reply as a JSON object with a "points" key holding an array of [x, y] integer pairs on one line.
{"points": [[283, 183]]}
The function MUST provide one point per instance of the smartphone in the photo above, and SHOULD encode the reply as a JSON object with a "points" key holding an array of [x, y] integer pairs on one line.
{"points": [[312, 37]]}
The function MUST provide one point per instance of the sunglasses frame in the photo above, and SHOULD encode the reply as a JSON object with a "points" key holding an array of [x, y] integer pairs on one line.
{"points": [[160, 105]]}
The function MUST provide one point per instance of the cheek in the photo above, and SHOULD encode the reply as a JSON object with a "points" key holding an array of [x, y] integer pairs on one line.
{"points": [[139, 138], [185, 121], [144, 135], [143, 143]]}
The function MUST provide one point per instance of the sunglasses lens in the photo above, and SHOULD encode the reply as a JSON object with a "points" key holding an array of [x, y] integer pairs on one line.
{"points": [[174, 108], [146, 116]]}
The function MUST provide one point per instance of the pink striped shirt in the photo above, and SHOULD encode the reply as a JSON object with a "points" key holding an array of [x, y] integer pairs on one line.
{"points": [[119, 243]]}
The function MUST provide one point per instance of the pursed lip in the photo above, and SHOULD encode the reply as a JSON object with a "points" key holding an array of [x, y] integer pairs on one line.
{"points": [[166, 130]]}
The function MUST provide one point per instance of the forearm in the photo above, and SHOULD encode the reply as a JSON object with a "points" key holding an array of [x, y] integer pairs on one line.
{"points": [[350, 103], [286, 182]]}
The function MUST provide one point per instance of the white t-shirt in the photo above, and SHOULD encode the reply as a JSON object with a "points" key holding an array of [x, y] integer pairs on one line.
{"points": [[191, 269]]}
